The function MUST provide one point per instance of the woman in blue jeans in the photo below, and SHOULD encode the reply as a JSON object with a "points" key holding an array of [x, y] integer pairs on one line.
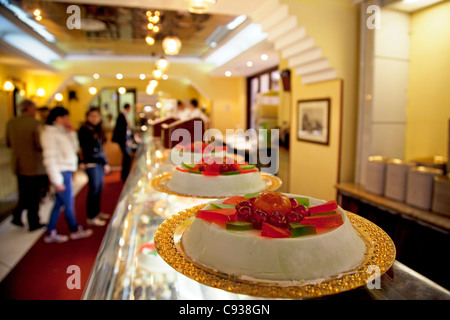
{"points": [[94, 162], [59, 150]]}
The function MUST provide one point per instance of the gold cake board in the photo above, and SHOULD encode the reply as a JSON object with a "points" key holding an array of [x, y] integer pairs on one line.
{"points": [[380, 252]]}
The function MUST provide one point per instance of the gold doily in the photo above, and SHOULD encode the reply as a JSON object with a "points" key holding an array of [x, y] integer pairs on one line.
{"points": [[159, 183], [380, 252]]}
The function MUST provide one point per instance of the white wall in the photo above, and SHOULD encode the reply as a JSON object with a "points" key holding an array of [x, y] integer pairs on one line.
{"points": [[390, 84]]}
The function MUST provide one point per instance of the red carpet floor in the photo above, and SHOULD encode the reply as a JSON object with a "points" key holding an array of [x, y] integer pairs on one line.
{"points": [[42, 272]]}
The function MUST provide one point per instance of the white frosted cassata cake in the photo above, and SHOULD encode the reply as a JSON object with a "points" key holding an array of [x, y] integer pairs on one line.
{"points": [[252, 253], [216, 180], [215, 186]]}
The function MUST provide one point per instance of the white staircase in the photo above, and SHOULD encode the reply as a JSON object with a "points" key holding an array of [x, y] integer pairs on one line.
{"points": [[292, 41]]}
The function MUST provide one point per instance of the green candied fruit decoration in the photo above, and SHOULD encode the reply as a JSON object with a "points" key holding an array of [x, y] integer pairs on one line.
{"points": [[247, 166], [188, 165], [300, 230], [251, 195], [221, 206], [239, 225], [229, 173], [303, 201], [196, 172]]}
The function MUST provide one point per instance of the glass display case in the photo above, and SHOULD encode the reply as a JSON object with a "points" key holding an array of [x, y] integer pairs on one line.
{"points": [[129, 268]]}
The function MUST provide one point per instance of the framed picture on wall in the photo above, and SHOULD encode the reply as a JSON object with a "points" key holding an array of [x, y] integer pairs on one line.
{"points": [[314, 121]]}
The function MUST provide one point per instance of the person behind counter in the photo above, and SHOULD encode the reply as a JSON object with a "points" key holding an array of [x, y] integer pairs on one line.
{"points": [[93, 160], [60, 148]]}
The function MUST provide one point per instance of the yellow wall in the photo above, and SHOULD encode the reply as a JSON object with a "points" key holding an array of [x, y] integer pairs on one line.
{"points": [[313, 169], [428, 111], [334, 25], [30, 82]]}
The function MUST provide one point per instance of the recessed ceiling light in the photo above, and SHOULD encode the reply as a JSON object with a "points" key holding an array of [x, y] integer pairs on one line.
{"points": [[92, 90], [236, 22], [58, 97], [264, 57], [96, 76], [228, 73], [142, 76], [119, 76], [249, 64], [40, 92], [122, 90]]}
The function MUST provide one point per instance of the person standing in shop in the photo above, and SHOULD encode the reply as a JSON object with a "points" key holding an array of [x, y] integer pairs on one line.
{"points": [[59, 149], [196, 112], [23, 136], [123, 135], [93, 160]]}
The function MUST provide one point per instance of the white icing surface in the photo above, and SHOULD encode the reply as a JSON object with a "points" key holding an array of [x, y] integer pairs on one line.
{"points": [[248, 255], [215, 186]]}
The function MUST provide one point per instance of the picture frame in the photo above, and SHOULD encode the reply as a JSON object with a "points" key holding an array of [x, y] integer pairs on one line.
{"points": [[314, 121]]}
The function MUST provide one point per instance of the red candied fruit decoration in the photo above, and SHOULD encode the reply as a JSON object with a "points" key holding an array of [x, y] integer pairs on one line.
{"points": [[301, 209], [293, 217], [277, 219], [294, 202], [234, 200], [243, 204], [257, 218], [244, 213]]}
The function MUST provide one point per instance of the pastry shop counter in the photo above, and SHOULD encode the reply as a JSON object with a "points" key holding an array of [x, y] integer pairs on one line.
{"points": [[128, 267]]}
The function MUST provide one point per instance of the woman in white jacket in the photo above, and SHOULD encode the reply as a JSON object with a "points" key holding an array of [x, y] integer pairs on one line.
{"points": [[59, 149]]}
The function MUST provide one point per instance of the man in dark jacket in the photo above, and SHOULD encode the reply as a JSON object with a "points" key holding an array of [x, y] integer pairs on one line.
{"points": [[124, 136], [23, 136]]}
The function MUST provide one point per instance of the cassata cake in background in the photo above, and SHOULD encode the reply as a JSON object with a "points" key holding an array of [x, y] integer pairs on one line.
{"points": [[216, 177], [274, 237], [195, 151]]}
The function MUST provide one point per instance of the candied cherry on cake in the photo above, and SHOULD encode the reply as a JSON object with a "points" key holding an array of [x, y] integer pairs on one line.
{"points": [[293, 216], [301, 209], [277, 219], [244, 213], [257, 218], [294, 202], [243, 204], [272, 201], [252, 200]]}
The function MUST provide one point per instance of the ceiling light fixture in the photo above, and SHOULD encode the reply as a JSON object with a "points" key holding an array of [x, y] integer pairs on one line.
{"points": [[122, 90], [157, 73], [242, 41], [200, 6], [119, 76], [142, 76], [227, 73], [58, 97], [236, 22], [150, 40], [92, 90], [40, 92], [162, 64], [96, 76], [249, 64], [264, 57], [171, 45], [8, 86]]}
